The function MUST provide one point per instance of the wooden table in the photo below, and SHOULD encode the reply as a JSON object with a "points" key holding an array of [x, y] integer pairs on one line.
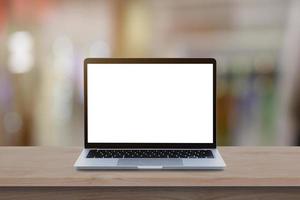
{"points": [[251, 173]]}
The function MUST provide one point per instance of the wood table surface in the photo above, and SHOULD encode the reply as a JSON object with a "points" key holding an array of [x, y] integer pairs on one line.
{"points": [[249, 169], [53, 166]]}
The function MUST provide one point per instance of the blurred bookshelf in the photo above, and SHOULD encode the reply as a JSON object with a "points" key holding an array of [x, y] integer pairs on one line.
{"points": [[255, 43]]}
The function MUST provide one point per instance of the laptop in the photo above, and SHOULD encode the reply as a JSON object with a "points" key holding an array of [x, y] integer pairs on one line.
{"points": [[150, 113]]}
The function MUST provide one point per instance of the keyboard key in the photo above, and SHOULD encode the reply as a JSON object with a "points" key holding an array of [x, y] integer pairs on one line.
{"points": [[92, 154]]}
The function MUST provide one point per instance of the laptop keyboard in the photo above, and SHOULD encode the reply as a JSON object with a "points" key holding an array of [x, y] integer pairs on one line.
{"points": [[150, 154]]}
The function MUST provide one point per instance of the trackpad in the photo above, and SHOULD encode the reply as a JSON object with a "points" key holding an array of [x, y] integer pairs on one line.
{"points": [[150, 162]]}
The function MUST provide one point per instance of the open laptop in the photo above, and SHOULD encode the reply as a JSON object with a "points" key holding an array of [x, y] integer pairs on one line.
{"points": [[154, 113]]}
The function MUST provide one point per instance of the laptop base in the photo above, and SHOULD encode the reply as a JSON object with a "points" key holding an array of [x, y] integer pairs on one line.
{"points": [[216, 163]]}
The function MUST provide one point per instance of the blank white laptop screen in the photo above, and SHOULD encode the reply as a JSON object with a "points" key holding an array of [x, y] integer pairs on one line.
{"points": [[150, 103]]}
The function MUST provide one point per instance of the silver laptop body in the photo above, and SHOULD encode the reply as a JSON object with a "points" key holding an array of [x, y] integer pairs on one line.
{"points": [[158, 107]]}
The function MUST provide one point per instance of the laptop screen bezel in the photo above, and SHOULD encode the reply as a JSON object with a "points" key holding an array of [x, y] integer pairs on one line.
{"points": [[147, 145]]}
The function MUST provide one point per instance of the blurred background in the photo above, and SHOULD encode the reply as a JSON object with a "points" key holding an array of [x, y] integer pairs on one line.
{"points": [[43, 43]]}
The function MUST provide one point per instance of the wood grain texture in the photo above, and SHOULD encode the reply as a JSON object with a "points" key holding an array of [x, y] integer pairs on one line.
{"points": [[53, 166], [129, 193]]}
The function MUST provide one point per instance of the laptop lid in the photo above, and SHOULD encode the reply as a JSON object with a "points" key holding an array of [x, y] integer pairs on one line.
{"points": [[150, 103]]}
